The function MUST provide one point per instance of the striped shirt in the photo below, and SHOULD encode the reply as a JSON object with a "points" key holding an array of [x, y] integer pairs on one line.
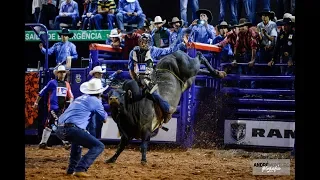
{"points": [[106, 5]]}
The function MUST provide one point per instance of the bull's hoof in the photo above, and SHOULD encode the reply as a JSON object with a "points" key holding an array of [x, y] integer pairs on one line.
{"points": [[109, 161], [143, 163]]}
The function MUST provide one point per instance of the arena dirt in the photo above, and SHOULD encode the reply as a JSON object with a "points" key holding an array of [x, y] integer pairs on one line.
{"points": [[163, 163]]}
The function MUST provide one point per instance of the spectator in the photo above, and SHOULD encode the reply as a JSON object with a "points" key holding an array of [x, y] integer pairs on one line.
{"points": [[129, 11], [88, 14], [284, 50], [176, 34], [69, 12], [246, 48], [115, 41], [226, 53], [267, 31], [130, 41], [160, 35], [106, 10], [202, 31]]}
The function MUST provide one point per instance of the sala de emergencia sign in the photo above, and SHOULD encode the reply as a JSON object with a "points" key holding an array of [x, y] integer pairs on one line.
{"points": [[79, 35]]}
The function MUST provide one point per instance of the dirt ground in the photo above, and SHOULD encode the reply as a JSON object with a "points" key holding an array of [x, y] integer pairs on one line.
{"points": [[163, 163]]}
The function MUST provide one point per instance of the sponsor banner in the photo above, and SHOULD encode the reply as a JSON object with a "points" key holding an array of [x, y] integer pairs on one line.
{"points": [[259, 133], [79, 35], [110, 131], [271, 167]]}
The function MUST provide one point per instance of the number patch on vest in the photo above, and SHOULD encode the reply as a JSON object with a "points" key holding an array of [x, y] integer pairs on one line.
{"points": [[61, 91], [142, 67]]}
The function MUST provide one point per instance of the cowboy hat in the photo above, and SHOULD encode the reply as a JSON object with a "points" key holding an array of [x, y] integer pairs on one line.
{"points": [[223, 24], [97, 69], [114, 33], [66, 32], [93, 86], [158, 20], [205, 11], [129, 30], [60, 68], [286, 16], [271, 14], [131, 1], [285, 21], [243, 22], [175, 20]]}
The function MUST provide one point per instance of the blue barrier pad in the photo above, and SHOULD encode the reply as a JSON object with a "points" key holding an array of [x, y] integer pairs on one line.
{"points": [[273, 78], [256, 64], [265, 112], [263, 101], [30, 132], [257, 91]]}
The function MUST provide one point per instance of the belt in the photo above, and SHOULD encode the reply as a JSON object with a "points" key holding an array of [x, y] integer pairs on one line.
{"points": [[67, 125]]}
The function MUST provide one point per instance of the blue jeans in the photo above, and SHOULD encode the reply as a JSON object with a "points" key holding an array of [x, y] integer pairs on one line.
{"points": [[124, 18], [87, 21], [79, 137], [284, 6], [266, 5], [98, 18], [137, 94], [233, 7], [184, 7], [250, 9], [67, 19]]}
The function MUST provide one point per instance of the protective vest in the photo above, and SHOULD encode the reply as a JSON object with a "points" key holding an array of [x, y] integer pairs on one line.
{"points": [[143, 62]]}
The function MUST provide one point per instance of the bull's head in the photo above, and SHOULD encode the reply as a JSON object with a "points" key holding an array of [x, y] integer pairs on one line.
{"points": [[116, 97]]}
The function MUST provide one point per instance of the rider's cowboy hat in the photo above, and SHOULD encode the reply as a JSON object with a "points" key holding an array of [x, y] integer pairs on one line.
{"points": [[205, 11], [158, 20], [97, 69], [114, 33], [243, 22], [93, 86], [175, 20], [66, 32], [60, 68]]}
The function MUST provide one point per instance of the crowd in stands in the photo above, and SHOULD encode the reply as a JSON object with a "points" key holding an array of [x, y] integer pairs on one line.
{"points": [[269, 41]]}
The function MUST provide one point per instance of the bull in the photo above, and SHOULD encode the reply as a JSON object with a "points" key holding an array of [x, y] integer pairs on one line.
{"points": [[142, 119]]}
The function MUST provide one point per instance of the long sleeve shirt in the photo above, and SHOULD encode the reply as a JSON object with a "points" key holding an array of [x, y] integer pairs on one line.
{"points": [[81, 110], [70, 9], [62, 50]]}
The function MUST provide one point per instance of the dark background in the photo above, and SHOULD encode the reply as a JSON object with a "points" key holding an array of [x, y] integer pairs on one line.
{"points": [[165, 8]]}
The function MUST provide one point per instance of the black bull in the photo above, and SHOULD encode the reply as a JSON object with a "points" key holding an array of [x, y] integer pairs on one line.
{"points": [[136, 119]]}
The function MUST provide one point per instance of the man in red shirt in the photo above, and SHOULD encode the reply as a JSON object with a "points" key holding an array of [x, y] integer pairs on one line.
{"points": [[130, 41], [245, 48]]}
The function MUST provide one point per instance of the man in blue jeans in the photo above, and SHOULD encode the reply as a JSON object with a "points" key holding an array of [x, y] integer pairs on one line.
{"points": [[72, 127]]}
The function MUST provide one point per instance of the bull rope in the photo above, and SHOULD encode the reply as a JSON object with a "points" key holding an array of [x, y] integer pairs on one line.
{"points": [[184, 85]]}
